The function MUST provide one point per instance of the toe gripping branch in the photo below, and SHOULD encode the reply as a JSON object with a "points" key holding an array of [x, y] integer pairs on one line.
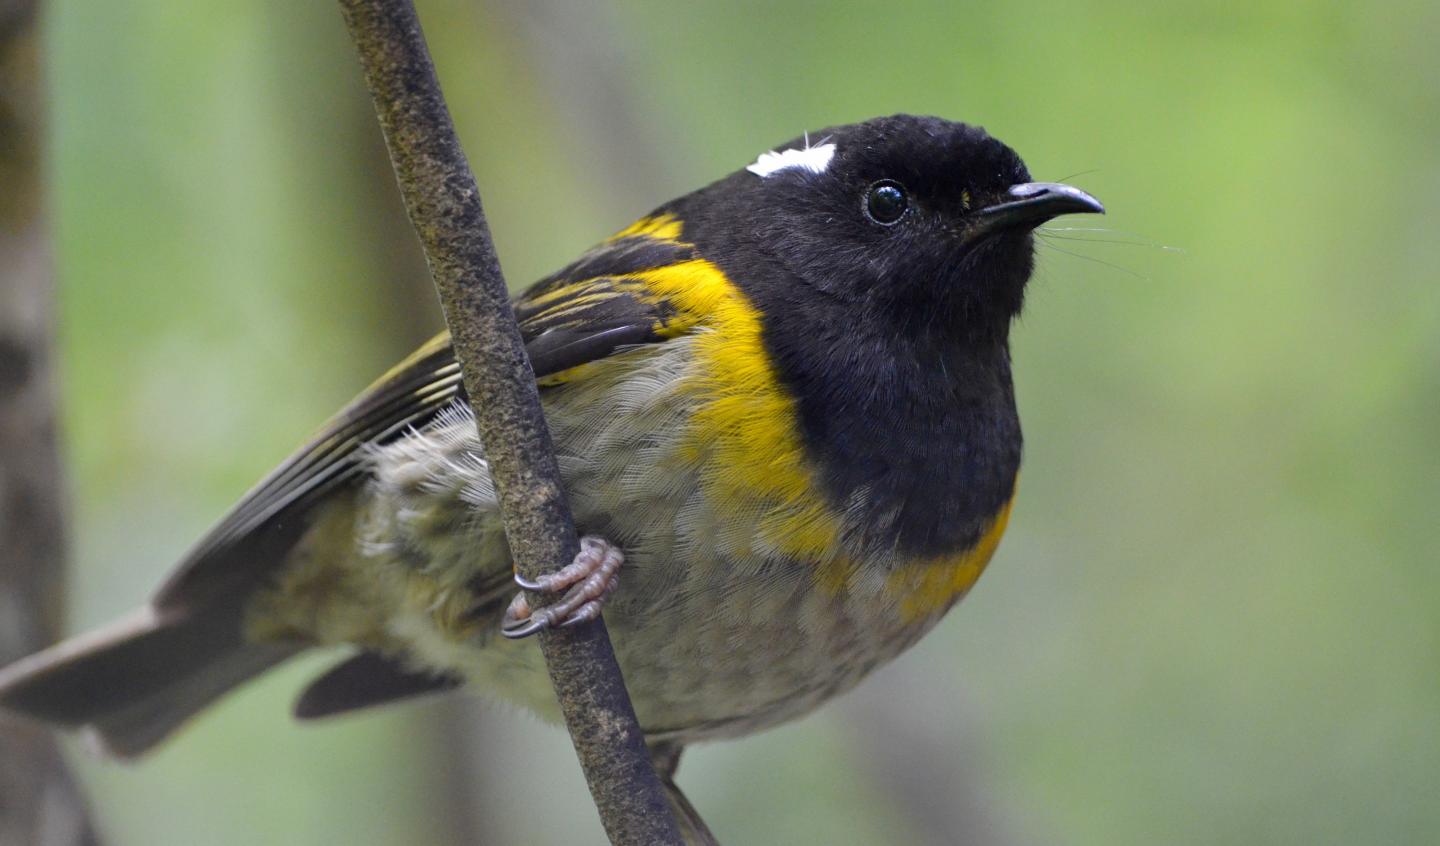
{"points": [[587, 580]]}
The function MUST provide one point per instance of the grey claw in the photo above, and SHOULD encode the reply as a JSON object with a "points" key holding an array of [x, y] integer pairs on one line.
{"points": [[586, 613], [524, 628], [589, 578], [527, 584]]}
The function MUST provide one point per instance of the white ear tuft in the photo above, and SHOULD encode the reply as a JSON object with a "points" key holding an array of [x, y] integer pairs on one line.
{"points": [[814, 159]]}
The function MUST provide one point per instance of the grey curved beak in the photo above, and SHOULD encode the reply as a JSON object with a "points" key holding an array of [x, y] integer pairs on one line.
{"points": [[1033, 204]]}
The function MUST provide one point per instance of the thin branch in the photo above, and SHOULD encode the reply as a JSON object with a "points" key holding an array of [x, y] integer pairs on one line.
{"points": [[444, 205]]}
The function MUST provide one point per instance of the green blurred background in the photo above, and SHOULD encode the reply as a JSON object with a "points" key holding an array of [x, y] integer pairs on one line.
{"points": [[1215, 617]]}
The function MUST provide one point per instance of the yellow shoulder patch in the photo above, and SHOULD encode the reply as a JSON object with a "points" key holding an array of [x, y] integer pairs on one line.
{"points": [[744, 430], [662, 227], [931, 586]]}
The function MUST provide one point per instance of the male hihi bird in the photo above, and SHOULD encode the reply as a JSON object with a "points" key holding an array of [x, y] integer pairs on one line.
{"points": [[784, 402]]}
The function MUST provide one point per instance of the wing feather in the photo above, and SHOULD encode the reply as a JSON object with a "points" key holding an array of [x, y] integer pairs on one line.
{"points": [[579, 315]]}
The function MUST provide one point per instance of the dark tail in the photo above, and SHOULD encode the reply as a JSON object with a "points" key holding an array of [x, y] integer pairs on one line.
{"points": [[134, 682]]}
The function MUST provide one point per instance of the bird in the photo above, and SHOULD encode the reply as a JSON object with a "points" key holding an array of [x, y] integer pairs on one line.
{"points": [[783, 412]]}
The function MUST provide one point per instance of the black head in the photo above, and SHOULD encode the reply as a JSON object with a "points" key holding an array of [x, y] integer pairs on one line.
{"points": [[887, 260], [911, 219]]}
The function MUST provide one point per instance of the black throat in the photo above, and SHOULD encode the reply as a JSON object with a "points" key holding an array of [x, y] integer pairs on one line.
{"points": [[915, 433], [918, 441]]}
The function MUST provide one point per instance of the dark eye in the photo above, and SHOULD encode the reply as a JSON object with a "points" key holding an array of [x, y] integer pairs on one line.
{"points": [[886, 201]]}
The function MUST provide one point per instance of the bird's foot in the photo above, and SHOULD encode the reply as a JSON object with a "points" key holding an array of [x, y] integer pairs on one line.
{"points": [[587, 581]]}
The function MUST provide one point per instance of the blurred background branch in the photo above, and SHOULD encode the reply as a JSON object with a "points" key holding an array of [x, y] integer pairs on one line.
{"points": [[584, 62], [39, 803]]}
